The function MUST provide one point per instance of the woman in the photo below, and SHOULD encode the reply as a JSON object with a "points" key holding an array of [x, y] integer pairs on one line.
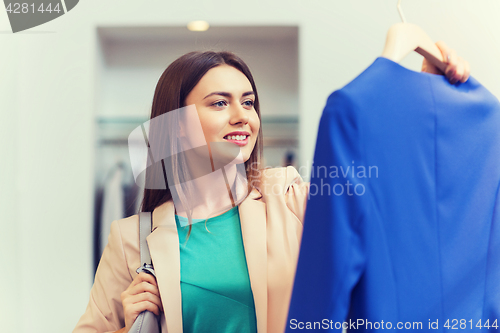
{"points": [[235, 271]]}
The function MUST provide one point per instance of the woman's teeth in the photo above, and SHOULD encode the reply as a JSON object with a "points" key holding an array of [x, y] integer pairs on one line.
{"points": [[236, 137]]}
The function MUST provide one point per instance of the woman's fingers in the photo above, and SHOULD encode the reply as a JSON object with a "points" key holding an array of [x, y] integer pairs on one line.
{"points": [[142, 294], [444, 49], [144, 287], [458, 69], [459, 72], [451, 60], [466, 75], [133, 310], [143, 277], [142, 299]]}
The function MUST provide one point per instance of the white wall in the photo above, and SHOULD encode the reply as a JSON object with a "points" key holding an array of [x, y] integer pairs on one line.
{"points": [[133, 65], [9, 239], [47, 105]]}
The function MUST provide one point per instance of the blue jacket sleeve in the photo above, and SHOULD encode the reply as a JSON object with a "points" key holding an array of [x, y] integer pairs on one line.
{"points": [[331, 258]]}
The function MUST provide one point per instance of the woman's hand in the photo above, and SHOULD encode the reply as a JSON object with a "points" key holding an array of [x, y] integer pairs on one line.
{"points": [[457, 70], [142, 294]]}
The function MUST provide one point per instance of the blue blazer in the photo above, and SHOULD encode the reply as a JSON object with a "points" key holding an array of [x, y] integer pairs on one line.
{"points": [[402, 226]]}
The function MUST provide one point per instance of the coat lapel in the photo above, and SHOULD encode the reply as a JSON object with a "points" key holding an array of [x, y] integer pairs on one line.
{"points": [[163, 245], [253, 229]]}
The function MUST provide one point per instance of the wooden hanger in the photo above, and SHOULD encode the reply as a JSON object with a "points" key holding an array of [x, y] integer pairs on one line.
{"points": [[404, 38]]}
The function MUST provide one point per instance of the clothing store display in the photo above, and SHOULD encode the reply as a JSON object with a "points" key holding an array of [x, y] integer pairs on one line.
{"points": [[113, 203], [116, 197], [403, 220], [215, 287]]}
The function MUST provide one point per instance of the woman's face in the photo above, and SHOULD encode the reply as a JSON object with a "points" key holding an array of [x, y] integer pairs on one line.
{"points": [[224, 100]]}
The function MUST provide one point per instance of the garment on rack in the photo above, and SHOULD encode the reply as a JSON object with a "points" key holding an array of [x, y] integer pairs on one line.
{"points": [[113, 207], [117, 196], [403, 219]]}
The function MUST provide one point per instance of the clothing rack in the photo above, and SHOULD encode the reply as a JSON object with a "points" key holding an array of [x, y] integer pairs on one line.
{"points": [[279, 131]]}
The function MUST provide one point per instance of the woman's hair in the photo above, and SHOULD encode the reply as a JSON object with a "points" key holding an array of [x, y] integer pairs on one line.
{"points": [[174, 85]]}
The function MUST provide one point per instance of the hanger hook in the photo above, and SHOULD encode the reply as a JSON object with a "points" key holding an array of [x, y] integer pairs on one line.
{"points": [[401, 12]]}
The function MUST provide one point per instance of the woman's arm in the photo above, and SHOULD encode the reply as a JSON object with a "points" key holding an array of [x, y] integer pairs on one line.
{"points": [[104, 311], [115, 299]]}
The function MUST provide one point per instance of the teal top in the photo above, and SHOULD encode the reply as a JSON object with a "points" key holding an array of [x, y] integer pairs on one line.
{"points": [[215, 286]]}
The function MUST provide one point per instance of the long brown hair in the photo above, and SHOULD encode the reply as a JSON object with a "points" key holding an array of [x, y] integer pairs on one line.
{"points": [[174, 85]]}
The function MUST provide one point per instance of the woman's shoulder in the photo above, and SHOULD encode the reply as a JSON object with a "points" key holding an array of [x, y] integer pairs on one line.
{"points": [[123, 241], [286, 174], [279, 179], [127, 226], [285, 185], [125, 231]]}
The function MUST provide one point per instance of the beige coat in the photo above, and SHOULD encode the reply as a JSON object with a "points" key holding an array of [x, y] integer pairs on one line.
{"points": [[271, 226]]}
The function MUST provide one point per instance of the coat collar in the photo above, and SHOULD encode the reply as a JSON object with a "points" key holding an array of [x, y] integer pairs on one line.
{"points": [[163, 245]]}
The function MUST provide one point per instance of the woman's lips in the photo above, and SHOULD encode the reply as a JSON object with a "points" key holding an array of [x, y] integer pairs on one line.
{"points": [[240, 143]]}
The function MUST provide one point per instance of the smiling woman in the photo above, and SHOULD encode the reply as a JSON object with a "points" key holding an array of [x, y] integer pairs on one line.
{"points": [[233, 273]]}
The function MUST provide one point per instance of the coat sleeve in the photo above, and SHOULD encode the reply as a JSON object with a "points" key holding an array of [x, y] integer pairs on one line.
{"points": [[104, 311], [331, 258], [297, 193]]}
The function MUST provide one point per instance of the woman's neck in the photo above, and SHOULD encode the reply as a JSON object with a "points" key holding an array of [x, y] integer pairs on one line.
{"points": [[211, 194]]}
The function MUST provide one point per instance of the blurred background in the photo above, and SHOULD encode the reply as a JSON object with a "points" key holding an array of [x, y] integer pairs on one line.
{"points": [[72, 89]]}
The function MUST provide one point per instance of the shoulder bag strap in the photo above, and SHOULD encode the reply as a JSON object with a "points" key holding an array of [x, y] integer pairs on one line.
{"points": [[145, 225]]}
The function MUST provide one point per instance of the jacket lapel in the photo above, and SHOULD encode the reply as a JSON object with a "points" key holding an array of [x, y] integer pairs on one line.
{"points": [[253, 229], [163, 245]]}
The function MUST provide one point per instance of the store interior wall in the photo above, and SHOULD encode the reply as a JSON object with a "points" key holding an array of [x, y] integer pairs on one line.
{"points": [[48, 102]]}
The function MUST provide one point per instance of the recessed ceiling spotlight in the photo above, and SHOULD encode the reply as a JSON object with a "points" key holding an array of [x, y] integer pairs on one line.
{"points": [[198, 25]]}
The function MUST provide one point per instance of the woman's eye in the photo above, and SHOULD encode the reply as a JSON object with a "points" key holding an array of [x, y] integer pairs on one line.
{"points": [[218, 104], [249, 103]]}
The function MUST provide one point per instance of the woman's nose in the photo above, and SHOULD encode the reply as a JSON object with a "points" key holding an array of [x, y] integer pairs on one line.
{"points": [[239, 115]]}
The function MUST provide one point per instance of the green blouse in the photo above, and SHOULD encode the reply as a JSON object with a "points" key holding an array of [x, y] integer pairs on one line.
{"points": [[215, 286]]}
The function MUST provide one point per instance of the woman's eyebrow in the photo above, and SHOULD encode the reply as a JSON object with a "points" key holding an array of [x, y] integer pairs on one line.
{"points": [[228, 95]]}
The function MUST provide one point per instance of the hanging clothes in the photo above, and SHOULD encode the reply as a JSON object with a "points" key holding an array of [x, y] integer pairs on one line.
{"points": [[113, 207], [132, 195], [117, 196], [403, 219]]}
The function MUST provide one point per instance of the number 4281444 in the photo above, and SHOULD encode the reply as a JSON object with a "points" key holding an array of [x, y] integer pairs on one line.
{"points": [[23, 8], [455, 324]]}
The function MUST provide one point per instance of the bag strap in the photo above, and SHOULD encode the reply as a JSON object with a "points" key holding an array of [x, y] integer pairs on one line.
{"points": [[146, 321], [145, 225]]}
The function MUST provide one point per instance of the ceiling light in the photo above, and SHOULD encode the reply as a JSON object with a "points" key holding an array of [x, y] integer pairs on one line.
{"points": [[198, 25]]}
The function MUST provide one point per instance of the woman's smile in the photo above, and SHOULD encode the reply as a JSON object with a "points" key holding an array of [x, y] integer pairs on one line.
{"points": [[240, 138]]}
